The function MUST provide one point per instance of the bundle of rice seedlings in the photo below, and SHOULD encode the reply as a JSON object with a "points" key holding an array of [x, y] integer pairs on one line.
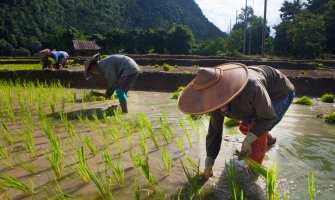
{"points": [[330, 118], [230, 122], [327, 98], [176, 94], [304, 100]]}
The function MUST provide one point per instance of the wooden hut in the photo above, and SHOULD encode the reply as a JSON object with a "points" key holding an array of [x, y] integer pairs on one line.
{"points": [[85, 47]]}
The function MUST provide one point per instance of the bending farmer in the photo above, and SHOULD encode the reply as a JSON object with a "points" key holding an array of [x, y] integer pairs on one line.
{"points": [[120, 72], [55, 59], [258, 96]]}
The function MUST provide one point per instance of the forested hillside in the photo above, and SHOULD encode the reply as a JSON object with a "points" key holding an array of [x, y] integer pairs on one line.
{"points": [[32, 24]]}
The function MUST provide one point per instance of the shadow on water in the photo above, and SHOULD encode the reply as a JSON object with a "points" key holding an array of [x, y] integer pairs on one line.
{"points": [[90, 113]]}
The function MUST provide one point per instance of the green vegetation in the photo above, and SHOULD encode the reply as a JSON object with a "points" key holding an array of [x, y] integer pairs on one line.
{"points": [[304, 100], [20, 66], [167, 67], [327, 98], [330, 118], [230, 122], [176, 94]]}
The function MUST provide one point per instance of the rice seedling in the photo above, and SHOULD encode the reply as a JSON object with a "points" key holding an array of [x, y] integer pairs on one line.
{"points": [[185, 131], [129, 134], [24, 164], [8, 138], [304, 100], [136, 189], [193, 176], [167, 67], [328, 98], [145, 123], [104, 138], [3, 152], [194, 128], [116, 168], [164, 131], [167, 160], [28, 140], [167, 124], [104, 186], [134, 160], [145, 171], [143, 143], [9, 182], [311, 186], [116, 139], [56, 156], [232, 179], [67, 124], [81, 168], [91, 145], [57, 193], [181, 145]]}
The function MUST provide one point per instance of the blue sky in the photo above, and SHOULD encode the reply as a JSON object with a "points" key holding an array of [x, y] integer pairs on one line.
{"points": [[220, 12]]}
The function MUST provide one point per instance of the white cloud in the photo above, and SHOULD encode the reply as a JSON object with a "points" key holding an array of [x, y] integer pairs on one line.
{"points": [[221, 12]]}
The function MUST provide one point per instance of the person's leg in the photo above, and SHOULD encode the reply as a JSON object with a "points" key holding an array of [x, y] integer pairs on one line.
{"points": [[280, 107], [124, 85]]}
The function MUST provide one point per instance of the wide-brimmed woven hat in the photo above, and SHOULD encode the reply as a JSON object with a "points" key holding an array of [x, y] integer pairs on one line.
{"points": [[44, 54], [213, 88]]}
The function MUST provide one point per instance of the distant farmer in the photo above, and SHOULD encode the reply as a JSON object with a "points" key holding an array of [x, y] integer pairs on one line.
{"points": [[120, 71], [55, 59], [258, 96]]}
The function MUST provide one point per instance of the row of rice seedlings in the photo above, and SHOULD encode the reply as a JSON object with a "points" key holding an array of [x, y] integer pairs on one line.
{"points": [[116, 168], [146, 124], [9, 182], [232, 180], [90, 144], [185, 131], [193, 176], [55, 158], [7, 135]]}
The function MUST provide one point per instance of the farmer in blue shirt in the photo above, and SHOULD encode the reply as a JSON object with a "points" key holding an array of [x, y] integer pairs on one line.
{"points": [[120, 71], [56, 59]]}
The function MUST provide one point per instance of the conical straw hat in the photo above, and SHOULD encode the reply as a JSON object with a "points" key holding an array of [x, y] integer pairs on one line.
{"points": [[213, 88], [44, 53]]}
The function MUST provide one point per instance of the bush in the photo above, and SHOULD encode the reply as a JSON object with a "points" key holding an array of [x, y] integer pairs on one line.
{"points": [[230, 122], [21, 52], [304, 100], [327, 98], [176, 94], [167, 67], [330, 118]]}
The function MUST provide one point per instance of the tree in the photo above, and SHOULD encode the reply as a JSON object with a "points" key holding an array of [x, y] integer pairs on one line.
{"points": [[235, 42], [290, 9], [308, 35], [180, 40]]}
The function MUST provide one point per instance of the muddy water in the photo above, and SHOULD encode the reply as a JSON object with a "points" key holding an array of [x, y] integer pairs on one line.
{"points": [[304, 144]]}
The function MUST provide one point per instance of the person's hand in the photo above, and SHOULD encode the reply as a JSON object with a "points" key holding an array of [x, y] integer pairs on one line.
{"points": [[208, 172], [246, 149]]}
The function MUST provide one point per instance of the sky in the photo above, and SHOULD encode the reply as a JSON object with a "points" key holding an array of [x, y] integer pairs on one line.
{"points": [[220, 12]]}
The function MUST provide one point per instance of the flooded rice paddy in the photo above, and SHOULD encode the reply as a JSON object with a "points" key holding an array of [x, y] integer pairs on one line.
{"points": [[142, 155]]}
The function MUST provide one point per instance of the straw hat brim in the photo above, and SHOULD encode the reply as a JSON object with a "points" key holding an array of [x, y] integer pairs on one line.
{"points": [[234, 77], [87, 67]]}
